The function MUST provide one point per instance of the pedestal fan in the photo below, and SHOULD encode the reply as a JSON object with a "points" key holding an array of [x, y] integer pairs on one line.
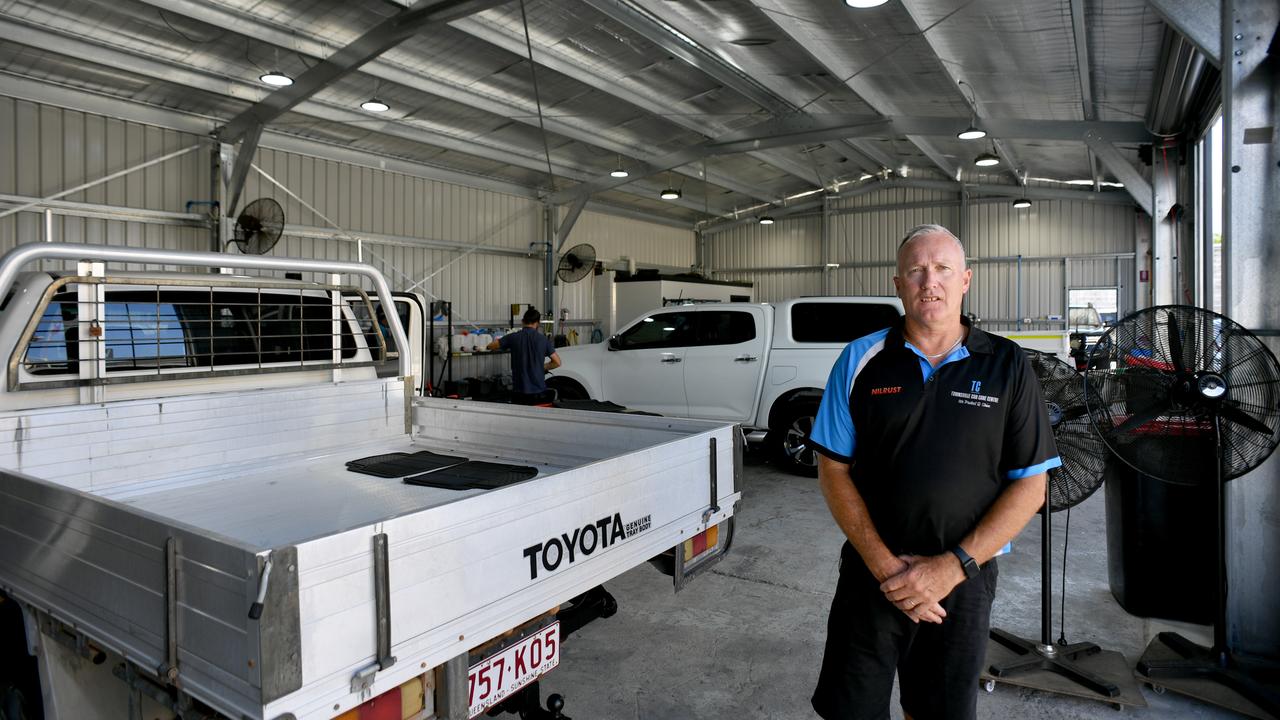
{"points": [[1083, 459], [1188, 396]]}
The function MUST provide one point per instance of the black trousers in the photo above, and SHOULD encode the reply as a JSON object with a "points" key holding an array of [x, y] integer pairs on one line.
{"points": [[868, 639]]}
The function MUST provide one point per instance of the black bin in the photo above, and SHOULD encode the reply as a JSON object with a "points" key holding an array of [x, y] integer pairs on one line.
{"points": [[1161, 541]]}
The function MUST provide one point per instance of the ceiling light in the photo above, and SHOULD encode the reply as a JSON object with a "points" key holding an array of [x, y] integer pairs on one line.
{"points": [[670, 194], [276, 78], [863, 4], [766, 220], [374, 105], [618, 172], [986, 159], [1021, 203], [971, 133], [833, 265]]}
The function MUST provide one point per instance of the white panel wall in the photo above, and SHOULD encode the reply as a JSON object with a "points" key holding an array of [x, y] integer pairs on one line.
{"points": [[865, 232], [615, 237]]}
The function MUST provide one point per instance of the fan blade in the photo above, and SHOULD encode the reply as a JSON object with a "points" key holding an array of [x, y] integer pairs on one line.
{"points": [[1240, 417], [1139, 419], [1175, 341]]}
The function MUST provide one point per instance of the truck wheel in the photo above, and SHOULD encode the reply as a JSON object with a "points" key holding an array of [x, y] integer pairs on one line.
{"points": [[567, 389], [790, 439]]}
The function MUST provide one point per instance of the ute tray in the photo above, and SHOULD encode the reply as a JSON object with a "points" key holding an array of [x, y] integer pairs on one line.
{"points": [[399, 464], [474, 475]]}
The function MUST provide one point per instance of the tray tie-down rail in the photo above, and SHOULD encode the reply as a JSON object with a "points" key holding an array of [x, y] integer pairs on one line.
{"points": [[362, 681]]}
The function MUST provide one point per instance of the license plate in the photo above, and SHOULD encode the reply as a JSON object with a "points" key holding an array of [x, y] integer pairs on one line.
{"points": [[498, 676]]}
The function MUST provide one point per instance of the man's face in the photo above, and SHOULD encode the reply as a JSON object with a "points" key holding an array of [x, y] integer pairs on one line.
{"points": [[932, 279]]}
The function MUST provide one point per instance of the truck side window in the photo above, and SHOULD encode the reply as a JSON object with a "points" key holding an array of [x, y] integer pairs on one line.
{"points": [[831, 322], [662, 330], [725, 327]]}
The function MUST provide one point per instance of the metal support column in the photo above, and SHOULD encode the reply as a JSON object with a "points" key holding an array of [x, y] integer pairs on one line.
{"points": [[1164, 231], [828, 282], [549, 261], [1250, 175]]}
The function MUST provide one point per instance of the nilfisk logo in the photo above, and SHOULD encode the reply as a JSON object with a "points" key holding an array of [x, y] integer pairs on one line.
{"points": [[583, 541]]}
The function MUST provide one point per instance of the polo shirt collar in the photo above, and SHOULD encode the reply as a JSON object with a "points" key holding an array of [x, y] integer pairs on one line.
{"points": [[977, 341]]}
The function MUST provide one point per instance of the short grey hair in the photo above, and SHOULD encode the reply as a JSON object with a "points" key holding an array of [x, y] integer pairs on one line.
{"points": [[921, 231], [929, 229]]}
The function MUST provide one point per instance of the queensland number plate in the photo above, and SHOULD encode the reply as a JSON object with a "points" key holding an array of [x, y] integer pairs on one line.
{"points": [[495, 678]]}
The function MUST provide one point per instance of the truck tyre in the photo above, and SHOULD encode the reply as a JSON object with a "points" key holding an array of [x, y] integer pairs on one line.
{"points": [[790, 438], [567, 389]]}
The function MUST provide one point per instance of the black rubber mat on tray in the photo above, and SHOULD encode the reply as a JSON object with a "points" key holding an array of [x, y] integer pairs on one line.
{"points": [[475, 475], [399, 464]]}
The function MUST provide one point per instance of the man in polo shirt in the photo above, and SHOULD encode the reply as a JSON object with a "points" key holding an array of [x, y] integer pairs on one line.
{"points": [[934, 445], [528, 348]]}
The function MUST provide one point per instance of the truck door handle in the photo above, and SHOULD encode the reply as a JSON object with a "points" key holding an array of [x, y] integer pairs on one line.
{"points": [[672, 359], [746, 358]]}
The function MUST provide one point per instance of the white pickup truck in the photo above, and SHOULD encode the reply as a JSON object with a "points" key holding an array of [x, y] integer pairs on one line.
{"points": [[215, 501], [760, 365]]}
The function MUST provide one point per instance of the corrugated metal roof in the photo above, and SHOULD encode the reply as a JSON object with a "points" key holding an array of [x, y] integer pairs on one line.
{"points": [[463, 95]]}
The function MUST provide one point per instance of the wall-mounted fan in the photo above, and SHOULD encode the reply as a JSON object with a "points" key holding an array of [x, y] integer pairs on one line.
{"points": [[259, 226], [577, 263], [1188, 396], [1084, 458]]}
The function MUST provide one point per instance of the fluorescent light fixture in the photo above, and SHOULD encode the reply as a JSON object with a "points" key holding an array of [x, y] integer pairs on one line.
{"points": [[986, 159], [648, 319], [668, 329], [374, 105], [766, 220], [1021, 203], [833, 265], [670, 194], [619, 173], [972, 133], [276, 78], [864, 4]]}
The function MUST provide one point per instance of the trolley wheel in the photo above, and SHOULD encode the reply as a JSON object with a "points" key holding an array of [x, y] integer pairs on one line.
{"points": [[1158, 689], [989, 685]]}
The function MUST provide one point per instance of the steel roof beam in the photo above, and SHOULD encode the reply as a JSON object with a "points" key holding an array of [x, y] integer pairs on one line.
{"points": [[1200, 21], [56, 41], [264, 31], [1085, 71], [804, 129], [382, 37], [1002, 148], [548, 58], [798, 30], [1136, 185], [673, 41]]}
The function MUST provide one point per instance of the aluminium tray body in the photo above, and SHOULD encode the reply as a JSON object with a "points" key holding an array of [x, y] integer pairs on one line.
{"points": [[90, 497]]}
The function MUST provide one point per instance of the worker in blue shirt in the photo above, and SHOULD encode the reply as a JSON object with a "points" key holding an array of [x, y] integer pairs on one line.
{"points": [[528, 347], [934, 446]]}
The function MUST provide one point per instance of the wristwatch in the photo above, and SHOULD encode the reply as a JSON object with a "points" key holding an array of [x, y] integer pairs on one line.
{"points": [[967, 563]]}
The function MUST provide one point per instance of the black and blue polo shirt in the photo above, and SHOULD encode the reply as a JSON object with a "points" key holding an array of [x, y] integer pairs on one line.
{"points": [[932, 448]]}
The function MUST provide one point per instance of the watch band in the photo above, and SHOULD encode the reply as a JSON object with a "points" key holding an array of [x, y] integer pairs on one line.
{"points": [[967, 563]]}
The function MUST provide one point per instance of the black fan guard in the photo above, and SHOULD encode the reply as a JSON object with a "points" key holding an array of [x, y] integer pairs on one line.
{"points": [[1158, 379], [1083, 453]]}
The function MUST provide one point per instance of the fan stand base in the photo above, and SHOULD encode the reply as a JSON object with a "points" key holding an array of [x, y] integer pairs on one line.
{"points": [[1171, 661], [1060, 660]]}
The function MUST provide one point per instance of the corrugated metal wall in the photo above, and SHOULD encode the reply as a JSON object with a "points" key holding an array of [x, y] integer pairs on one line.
{"points": [[865, 232], [45, 149]]}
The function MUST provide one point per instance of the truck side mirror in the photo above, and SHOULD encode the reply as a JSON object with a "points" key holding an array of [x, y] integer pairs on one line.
{"points": [[614, 343]]}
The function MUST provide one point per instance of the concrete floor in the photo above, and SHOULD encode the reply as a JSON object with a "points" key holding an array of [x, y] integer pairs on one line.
{"points": [[745, 640]]}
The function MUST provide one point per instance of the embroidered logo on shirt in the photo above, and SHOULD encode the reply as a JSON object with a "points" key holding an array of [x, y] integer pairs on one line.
{"points": [[975, 398], [886, 390]]}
